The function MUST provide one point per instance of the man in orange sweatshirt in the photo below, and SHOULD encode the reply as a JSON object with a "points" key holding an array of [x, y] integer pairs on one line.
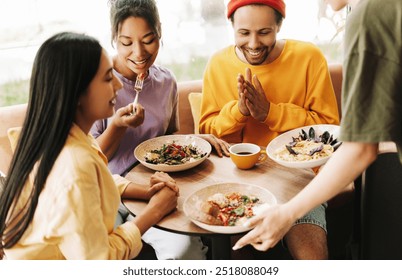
{"points": [[261, 87]]}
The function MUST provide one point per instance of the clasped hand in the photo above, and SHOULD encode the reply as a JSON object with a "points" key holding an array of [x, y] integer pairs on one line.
{"points": [[252, 99], [161, 180], [164, 192]]}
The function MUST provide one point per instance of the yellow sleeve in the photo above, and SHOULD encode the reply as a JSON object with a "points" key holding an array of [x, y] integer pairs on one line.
{"points": [[84, 214], [121, 183], [311, 100], [219, 108]]}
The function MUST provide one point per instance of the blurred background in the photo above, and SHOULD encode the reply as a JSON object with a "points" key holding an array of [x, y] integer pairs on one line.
{"points": [[191, 31]]}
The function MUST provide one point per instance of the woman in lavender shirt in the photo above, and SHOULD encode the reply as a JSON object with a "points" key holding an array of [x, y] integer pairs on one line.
{"points": [[136, 32]]}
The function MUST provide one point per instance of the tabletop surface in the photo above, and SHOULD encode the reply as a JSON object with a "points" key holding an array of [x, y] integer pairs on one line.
{"points": [[283, 182]]}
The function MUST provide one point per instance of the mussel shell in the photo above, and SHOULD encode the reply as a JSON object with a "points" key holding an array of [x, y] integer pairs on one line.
{"points": [[336, 145], [315, 150], [311, 133], [325, 137], [333, 142], [330, 139], [303, 135], [291, 151]]}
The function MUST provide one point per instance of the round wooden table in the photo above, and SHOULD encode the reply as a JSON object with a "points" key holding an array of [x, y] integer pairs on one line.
{"points": [[283, 182]]}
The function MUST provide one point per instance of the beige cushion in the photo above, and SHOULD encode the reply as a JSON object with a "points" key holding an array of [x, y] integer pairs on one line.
{"points": [[13, 134], [195, 104], [10, 116], [2, 183], [335, 71], [185, 115]]}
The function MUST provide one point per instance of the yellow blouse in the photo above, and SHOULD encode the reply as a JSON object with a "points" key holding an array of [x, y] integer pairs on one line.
{"points": [[77, 209]]}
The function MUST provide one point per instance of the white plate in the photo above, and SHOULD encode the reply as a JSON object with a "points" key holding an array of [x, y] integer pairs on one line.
{"points": [[286, 137], [191, 202], [156, 143]]}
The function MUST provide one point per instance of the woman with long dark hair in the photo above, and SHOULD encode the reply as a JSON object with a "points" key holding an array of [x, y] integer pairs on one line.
{"points": [[60, 200]]}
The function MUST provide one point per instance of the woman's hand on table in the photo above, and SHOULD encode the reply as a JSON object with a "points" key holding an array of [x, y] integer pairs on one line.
{"points": [[161, 203], [221, 147], [157, 182], [270, 227], [160, 180]]}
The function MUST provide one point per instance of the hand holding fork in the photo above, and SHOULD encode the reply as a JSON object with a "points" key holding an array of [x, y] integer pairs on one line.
{"points": [[139, 82]]}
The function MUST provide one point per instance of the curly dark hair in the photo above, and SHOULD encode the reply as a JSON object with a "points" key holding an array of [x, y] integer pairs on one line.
{"points": [[120, 10]]}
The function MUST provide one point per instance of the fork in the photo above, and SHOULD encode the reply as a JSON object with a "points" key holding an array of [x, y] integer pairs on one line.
{"points": [[139, 82]]}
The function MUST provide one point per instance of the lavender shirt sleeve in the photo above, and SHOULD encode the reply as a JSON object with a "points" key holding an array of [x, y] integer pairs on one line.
{"points": [[159, 98]]}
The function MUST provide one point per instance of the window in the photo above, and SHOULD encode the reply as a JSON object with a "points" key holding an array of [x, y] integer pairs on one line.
{"points": [[191, 31]]}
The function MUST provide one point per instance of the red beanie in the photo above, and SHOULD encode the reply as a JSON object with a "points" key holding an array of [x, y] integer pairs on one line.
{"points": [[278, 5]]}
